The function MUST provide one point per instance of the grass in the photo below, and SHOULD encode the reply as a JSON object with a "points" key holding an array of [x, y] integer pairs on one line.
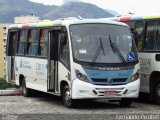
{"points": [[4, 85]]}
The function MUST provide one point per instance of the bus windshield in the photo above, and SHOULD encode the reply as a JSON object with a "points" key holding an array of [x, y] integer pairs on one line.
{"points": [[102, 43]]}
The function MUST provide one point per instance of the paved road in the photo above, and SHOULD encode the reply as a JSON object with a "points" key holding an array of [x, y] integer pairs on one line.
{"points": [[50, 108]]}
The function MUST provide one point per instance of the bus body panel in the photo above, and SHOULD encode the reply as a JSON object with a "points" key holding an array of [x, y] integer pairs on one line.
{"points": [[83, 90], [34, 71], [8, 68], [64, 75], [148, 65]]}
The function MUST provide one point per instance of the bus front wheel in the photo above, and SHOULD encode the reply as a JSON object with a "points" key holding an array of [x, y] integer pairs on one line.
{"points": [[67, 100], [124, 102]]}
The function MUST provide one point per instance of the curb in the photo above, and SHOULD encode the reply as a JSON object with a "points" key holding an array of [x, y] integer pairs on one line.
{"points": [[11, 92]]}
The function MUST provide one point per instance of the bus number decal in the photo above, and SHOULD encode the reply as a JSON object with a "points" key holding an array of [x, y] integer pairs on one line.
{"points": [[145, 65], [39, 69], [145, 62], [25, 64]]}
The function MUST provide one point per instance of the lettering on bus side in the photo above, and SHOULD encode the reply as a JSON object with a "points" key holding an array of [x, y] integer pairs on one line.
{"points": [[25, 64], [145, 61], [40, 69]]}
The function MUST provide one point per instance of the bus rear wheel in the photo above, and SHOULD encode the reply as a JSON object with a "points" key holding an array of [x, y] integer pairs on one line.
{"points": [[25, 90], [67, 100], [157, 95], [125, 102], [155, 91]]}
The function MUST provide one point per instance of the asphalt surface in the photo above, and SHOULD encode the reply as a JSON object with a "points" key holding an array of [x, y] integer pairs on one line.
{"points": [[48, 107]]}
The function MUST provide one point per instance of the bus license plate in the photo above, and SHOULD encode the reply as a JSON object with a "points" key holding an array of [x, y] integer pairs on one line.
{"points": [[110, 93]]}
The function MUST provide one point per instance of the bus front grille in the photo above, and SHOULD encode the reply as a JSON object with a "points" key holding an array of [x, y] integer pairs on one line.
{"points": [[114, 81]]}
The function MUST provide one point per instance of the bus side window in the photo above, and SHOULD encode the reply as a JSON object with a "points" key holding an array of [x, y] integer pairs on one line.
{"points": [[64, 49], [158, 36], [150, 35], [21, 42], [32, 44], [11, 45], [139, 26], [43, 44]]}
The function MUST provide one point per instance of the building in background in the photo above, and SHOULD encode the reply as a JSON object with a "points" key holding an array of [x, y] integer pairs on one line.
{"points": [[3, 39], [66, 1], [26, 19]]}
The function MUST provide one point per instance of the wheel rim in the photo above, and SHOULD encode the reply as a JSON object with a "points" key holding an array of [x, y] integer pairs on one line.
{"points": [[67, 97], [158, 91]]}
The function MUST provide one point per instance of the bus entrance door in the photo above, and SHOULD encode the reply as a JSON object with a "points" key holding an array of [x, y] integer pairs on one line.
{"points": [[53, 61]]}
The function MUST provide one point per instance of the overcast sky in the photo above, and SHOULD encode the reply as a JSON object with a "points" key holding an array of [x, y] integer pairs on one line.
{"points": [[121, 6]]}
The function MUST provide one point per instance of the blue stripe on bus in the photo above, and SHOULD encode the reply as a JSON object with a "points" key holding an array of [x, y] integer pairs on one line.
{"points": [[117, 74]]}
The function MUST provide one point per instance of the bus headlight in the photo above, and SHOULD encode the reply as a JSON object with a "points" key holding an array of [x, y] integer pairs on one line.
{"points": [[135, 76], [81, 76]]}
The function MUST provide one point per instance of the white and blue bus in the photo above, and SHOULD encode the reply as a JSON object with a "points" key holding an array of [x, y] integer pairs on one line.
{"points": [[75, 59]]}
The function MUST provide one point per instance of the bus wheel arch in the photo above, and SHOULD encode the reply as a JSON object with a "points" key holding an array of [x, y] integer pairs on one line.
{"points": [[62, 85], [154, 87]]}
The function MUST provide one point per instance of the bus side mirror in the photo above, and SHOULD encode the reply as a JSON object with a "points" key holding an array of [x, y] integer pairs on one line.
{"points": [[63, 39]]}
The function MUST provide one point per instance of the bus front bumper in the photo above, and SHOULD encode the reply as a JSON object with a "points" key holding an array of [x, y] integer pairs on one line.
{"points": [[84, 90]]}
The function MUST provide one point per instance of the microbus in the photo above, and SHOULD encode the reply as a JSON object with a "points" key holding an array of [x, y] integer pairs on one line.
{"points": [[75, 59]]}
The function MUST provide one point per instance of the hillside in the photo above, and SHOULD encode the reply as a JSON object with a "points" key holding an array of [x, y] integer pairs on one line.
{"points": [[75, 9], [11, 8]]}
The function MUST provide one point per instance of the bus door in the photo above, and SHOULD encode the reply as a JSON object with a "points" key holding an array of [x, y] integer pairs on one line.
{"points": [[52, 83], [10, 56]]}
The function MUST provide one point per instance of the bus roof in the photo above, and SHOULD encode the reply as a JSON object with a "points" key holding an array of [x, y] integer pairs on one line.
{"points": [[136, 17], [63, 22]]}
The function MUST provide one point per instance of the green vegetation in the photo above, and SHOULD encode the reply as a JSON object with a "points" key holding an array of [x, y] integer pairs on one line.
{"points": [[4, 84]]}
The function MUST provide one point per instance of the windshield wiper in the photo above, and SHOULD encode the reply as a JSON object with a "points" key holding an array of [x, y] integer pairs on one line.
{"points": [[101, 45], [116, 50], [97, 52]]}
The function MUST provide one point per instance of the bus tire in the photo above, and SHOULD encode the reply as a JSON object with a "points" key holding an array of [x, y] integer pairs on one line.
{"points": [[125, 102], [67, 100], [157, 91], [25, 90]]}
